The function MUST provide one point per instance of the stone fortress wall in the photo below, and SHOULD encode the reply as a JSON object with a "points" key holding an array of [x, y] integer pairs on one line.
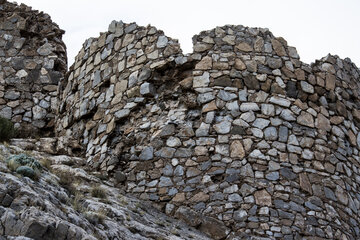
{"points": [[241, 130], [240, 134], [33, 61]]}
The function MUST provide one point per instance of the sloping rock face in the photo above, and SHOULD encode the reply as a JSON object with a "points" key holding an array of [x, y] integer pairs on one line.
{"points": [[241, 130], [33, 61], [61, 204]]}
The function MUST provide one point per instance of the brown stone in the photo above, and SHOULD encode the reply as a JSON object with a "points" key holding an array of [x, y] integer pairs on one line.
{"points": [[300, 74], [330, 82], [204, 64], [329, 167], [110, 127], [186, 83], [305, 183], [239, 65], [251, 82], [211, 106], [179, 198], [189, 216], [259, 44], [214, 228], [262, 198], [223, 81], [336, 120], [341, 109], [305, 119], [322, 122], [352, 138], [89, 125], [341, 195], [237, 150], [200, 197], [200, 47], [278, 47], [244, 47], [356, 114]]}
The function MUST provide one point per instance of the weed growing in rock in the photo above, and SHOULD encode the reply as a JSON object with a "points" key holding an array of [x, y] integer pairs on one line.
{"points": [[94, 217], [67, 181], [7, 130], [98, 192]]}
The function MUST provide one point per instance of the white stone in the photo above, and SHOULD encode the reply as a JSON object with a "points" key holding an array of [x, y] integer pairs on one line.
{"points": [[201, 81]]}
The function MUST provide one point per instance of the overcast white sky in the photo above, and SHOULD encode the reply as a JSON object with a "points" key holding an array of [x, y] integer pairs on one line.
{"points": [[314, 27]]}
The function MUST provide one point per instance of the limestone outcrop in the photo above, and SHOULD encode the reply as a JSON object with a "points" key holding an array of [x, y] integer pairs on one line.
{"points": [[67, 202], [33, 62]]}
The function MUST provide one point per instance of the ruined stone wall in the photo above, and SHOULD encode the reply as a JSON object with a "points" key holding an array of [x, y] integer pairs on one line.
{"points": [[33, 61], [241, 130]]}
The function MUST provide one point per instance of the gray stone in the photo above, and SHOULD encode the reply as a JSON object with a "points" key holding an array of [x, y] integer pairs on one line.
{"points": [[165, 182], [222, 127], [144, 74], [329, 194], [179, 170], [6, 112], [45, 49], [201, 81], [203, 130], [44, 104], [268, 109], [38, 113], [105, 53], [234, 198], [245, 107], [205, 97], [240, 215], [183, 153], [147, 89], [273, 176], [173, 142], [167, 130], [168, 170], [280, 101], [226, 96], [312, 206], [270, 133], [306, 87], [246, 190], [283, 134], [261, 123], [274, 63], [288, 174], [97, 78], [165, 152], [147, 153], [122, 113], [162, 42], [248, 116], [12, 95], [247, 171], [274, 166], [287, 115]]}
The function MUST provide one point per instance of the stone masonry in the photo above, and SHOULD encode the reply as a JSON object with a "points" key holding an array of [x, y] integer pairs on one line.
{"points": [[240, 130], [33, 61]]}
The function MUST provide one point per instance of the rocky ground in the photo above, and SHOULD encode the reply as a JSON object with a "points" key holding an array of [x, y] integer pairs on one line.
{"points": [[67, 202]]}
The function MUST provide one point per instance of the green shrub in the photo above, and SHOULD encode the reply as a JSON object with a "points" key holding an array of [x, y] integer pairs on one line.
{"points": [[26, 171], [24, 165], [7, 130]]}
